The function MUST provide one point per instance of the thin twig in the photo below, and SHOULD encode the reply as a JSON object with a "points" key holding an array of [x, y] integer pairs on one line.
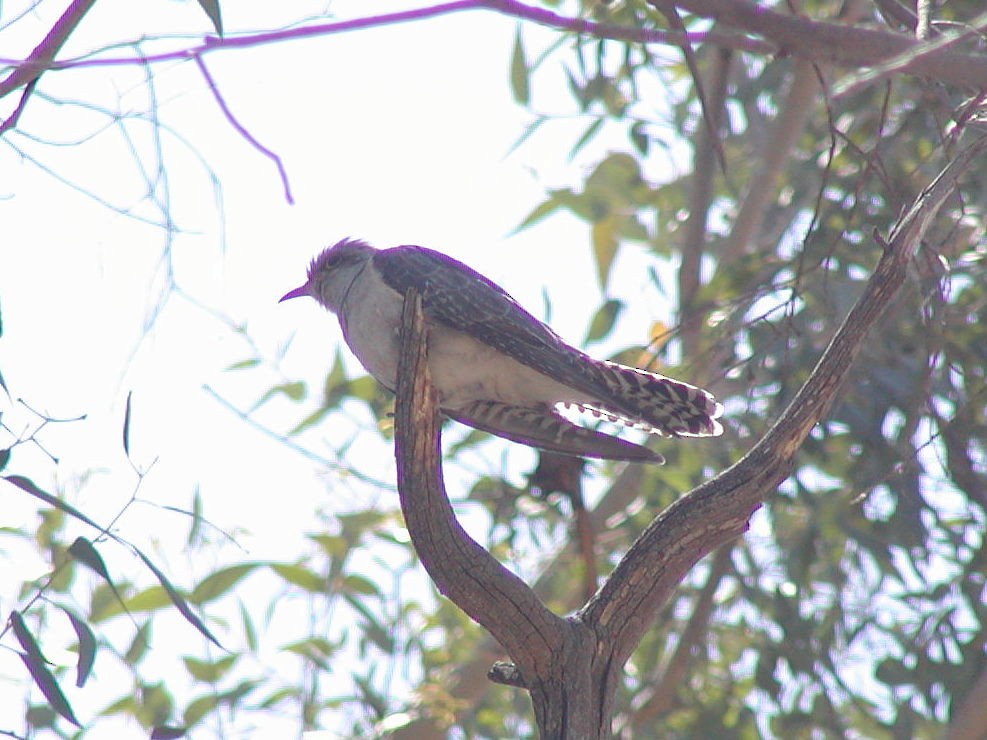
{"points": [[292, 445], [693, 243], [711, 116], [14, 117], [240, 129]]}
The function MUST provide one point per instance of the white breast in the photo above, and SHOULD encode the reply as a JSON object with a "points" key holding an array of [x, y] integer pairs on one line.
{"points": [[463, 369]]}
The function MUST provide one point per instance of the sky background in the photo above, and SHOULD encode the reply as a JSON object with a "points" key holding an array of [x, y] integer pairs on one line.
{"points": [[397, 135]]}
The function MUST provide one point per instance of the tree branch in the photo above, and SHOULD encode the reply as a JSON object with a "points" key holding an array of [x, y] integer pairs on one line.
{"points": [[773, 157], [510, 8], [572, 666], [819, 41], [968, 719], [700, 199], [469, 681], [462, 570], [27, 72], [719, 510], [852, 46], [240, 129], [44, 53]]}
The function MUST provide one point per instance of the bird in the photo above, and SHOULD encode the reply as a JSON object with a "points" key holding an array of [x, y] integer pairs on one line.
{"points": [[496, 367]]}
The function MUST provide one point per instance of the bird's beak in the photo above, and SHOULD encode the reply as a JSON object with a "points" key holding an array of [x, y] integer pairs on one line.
{"points": [[296, 293]]}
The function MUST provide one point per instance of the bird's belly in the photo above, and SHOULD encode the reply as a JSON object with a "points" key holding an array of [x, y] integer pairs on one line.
{"points": [[465, 370], [462, 369], [372, 331]]}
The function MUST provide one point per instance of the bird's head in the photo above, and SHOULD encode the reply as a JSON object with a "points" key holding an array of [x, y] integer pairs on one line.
{"points": [[332, 272]]}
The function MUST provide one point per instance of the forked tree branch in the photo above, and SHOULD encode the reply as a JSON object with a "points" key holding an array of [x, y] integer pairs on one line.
{"points": [[572, 666], [462, 569], [43, 56], [720, 509]]}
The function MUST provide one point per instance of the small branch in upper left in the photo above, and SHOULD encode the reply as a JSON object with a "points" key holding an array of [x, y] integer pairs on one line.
{"points": [[241, 129]]}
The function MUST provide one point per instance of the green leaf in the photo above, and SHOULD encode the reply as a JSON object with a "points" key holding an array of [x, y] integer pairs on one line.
{"points": [[529, 129], [354, 584], [244, 364], [249, 631], [604, 248], [639, 137], [37, 666], [603, 320], [198, 709], [195, 527], [178, 600], [543, 209], [216, 584], [316, 649], [209, 671], [27, 485], [139, 645], [300, 576], [520, 75], [211, 7], [331, 544], [372, 629], [278, 696], [49, 687], [126, 426], [4, 458], [167, 732], [40, 716], [592, 130], [84, 551], [311, 420], [87, 646], [363, 388], [149, 600], [294, 390]]}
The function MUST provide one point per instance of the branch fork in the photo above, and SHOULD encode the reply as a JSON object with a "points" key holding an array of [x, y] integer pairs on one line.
{"points": [[572, 665]]}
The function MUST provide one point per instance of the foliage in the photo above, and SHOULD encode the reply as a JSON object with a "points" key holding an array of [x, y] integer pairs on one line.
{"points": [[855, 606]]}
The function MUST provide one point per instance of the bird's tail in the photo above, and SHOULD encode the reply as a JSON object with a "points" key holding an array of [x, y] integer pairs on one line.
{"points": [[654, 402], [546, 429]]}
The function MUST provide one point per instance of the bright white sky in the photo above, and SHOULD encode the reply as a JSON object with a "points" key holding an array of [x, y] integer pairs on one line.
{"points": [[396, 135]]}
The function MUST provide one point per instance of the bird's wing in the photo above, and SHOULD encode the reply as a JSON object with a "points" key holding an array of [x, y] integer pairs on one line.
{"points": [[460, 298], [547, 430]]}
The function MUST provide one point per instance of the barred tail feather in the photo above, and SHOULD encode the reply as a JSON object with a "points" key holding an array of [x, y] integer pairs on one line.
{"points": [[654, 402]]}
